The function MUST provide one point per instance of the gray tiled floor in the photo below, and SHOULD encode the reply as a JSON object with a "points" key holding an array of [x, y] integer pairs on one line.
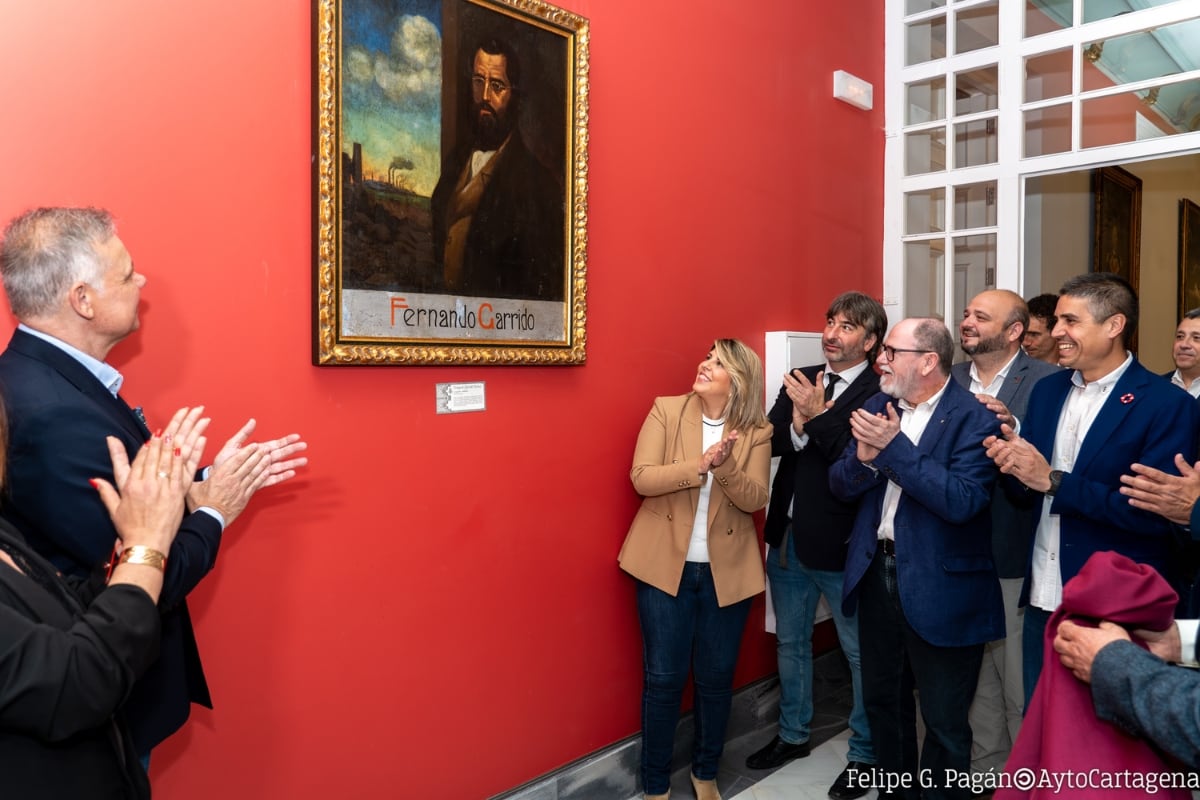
{"points": [[832, 699]]}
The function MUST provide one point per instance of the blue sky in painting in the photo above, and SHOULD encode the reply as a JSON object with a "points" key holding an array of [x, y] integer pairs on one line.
{"points": [[391, 87]]}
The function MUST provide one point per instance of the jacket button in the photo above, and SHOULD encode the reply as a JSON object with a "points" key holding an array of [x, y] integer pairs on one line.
{"points": [[730, 504], [729, 532], [670, 517], [674, 460]]}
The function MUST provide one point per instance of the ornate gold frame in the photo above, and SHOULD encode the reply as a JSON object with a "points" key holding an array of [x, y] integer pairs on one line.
{"points": [[333, 344]]}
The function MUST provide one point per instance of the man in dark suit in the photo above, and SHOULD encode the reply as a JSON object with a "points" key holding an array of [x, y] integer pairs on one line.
{"points": [[807, 527], [919, 566], [1084, 427], [1000, 374], [72, 285], [498, 218]]}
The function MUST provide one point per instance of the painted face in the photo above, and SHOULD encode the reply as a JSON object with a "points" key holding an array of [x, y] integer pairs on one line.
{"points": [[845, 344], [116, 298], [1186, 352], [712, 381], [1083, 342], [491, 90], [982, 329], [1038, 342]]}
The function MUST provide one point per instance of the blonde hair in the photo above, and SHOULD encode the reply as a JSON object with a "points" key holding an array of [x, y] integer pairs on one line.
{"points": [[745, 407]]}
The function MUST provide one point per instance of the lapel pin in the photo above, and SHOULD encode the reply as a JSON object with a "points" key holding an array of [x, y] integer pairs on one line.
{"points": [[1127, 398]]}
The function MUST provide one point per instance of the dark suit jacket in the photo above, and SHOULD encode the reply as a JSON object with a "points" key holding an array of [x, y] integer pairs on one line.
{"points": [[947, 580], [59, 415], [64, 671], [1012, 524], [516, 246], [1149, 698], [1144, 419], [822, 526]]}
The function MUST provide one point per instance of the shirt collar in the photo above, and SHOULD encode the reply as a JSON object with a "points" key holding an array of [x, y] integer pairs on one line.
{"points": [[848, 375], [930, 403], [1002, 374], [1108, 380], [105, 373]]}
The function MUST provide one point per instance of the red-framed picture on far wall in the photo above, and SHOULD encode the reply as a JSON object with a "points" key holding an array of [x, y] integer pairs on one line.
{"points": [[1189, 256], [450, 182]]}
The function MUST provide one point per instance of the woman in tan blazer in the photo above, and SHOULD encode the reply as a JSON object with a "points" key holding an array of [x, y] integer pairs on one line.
{"points": [[701, 465]]}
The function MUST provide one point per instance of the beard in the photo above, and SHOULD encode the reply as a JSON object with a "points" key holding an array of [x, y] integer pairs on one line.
{"points": [[992, 345], [491, 127], [894, 384]]}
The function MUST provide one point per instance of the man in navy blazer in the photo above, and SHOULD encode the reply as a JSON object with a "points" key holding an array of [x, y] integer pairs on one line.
{"points": [[72, 285], [919, 566], [1084, 428], [807, 527], [1001, 374]]}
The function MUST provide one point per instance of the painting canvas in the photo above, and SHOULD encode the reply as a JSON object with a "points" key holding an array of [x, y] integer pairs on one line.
{"points": [[1117, 223], [1189, 257], [450, 207]]}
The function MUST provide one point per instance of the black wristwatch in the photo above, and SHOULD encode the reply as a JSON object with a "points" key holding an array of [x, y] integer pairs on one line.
{"points": [[1056, 476]]}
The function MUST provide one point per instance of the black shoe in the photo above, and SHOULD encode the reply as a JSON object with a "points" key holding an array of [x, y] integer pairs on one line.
{"points": [[776, 754], [849, 785]]}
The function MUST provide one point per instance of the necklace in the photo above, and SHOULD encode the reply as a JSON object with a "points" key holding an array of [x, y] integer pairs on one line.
{"points": [[712, 423]]}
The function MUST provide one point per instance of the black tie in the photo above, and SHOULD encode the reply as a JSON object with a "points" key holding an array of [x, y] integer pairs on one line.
{"points": [[830, 379]]}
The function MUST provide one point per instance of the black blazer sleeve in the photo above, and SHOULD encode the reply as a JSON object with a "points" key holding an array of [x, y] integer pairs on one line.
{"points": [[56, 683]]}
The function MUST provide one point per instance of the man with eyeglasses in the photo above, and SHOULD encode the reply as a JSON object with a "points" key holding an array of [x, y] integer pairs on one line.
{"points": [[498, 217], [1084, 428], [919, 567], [1001, 375]]}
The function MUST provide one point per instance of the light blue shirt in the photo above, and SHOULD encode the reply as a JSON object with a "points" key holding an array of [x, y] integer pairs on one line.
{"points": [[111, 379]]}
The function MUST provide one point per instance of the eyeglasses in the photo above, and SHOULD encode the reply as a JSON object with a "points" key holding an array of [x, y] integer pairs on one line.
{"points": [[889, 352], [497, 87]]}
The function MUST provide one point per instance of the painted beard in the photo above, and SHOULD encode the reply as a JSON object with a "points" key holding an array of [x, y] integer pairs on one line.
{"points": [[491, 128]]}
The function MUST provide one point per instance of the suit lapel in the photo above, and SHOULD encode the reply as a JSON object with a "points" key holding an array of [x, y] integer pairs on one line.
{"points": [[941, 415], [1016, 376], [78, 376], [1120, 401]]}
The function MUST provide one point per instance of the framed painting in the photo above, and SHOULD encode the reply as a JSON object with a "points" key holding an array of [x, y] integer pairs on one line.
{"points": [[1117, 223], [1189, 257], [450, 182]]}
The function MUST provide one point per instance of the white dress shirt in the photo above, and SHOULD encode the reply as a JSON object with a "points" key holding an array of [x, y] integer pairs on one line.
{"points": [[1193, 388], [1079, 412], [912, 424]]}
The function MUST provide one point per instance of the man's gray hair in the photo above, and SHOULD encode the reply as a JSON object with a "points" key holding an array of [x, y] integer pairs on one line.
{"points": [[46, 250], [933, 336]]}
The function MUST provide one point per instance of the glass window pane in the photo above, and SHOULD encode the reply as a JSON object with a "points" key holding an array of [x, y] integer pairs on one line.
{"points": [[975, 205], [974, 271], [926, 41], [1043, 16], [925, 212], [1141, 56], [926, 101], [1144, 114], [925, 151], [917, 6], [1048, 75], [975, 143], [925, 279], [1103, 9], [1047, 130], [976, 28], [975, 91]]}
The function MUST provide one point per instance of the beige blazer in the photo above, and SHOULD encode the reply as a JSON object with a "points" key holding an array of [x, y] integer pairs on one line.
{"points": [[665, 473]]}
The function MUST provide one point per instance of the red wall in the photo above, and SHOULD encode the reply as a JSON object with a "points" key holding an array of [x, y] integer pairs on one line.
{"points": [[436, 585]]}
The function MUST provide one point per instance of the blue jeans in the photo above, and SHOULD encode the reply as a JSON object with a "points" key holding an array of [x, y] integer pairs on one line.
{"points": [[1032, 647], [795, 591], [688, 630]]}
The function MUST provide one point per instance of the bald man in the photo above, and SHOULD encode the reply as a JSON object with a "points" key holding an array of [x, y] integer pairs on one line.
{"points": [[1000, 374]]}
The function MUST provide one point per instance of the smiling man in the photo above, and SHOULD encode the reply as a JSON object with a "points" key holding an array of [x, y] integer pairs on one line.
{"points": [[1084, 427], [1186, 354], [919, 563], [1001, 375], [807, 528]]}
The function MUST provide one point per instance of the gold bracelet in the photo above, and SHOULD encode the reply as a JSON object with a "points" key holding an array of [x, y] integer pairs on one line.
{"points": [[140, 554]]}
